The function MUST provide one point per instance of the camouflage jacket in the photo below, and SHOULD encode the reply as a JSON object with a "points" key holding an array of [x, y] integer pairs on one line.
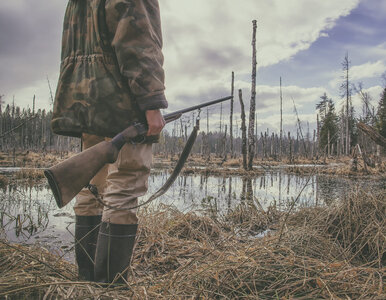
{"points": [[111, 66]]}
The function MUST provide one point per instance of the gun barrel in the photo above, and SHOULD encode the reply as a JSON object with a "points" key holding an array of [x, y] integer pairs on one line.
{"points": [[171, 117], [205, 104]]}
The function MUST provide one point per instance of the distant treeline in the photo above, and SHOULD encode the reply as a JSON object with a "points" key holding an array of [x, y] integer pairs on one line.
{"points": [[25, 129]]}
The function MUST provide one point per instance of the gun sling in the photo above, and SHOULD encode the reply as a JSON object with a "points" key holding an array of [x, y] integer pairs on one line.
{"points": [[177, 169]]}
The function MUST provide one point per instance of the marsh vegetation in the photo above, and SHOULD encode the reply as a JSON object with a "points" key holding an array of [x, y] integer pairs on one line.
{"points": [[276, 234]]}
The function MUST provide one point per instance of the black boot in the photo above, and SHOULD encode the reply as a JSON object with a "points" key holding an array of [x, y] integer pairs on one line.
{"points": [[86, 235], [113, 254]]}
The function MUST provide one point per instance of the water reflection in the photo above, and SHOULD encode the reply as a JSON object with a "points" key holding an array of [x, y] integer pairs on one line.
{"points": [[28, 212], [20, 213], [199, 192]]}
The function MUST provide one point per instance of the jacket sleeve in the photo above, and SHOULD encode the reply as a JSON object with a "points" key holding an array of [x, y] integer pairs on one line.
{"points": [[135, 31]]}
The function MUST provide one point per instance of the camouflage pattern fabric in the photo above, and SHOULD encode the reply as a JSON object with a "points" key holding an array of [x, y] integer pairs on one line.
{"points": [[111, 70]]}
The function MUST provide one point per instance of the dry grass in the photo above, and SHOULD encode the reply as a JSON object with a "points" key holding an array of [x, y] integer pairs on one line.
{"points": [[343, 169], [223, 171], [3, 181], [359, 227], [233, 162], [341, 166], [322, 253], [30, 174], [29, 159], [251, 219], [216, 166]]}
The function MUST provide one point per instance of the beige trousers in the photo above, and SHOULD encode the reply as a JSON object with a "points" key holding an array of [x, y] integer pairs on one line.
{"points": [[120, 183]]}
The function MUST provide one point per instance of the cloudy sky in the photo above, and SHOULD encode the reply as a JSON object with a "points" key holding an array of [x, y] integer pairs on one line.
{"points": [[303, 41]]}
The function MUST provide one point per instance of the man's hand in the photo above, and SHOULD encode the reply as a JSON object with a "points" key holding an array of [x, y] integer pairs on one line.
{"points": [[155, 121]]}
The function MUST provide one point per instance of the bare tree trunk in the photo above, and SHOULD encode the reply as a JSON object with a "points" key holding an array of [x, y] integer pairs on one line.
{"points": [[290, 147], [313, 145], [224, 142], [207, 134], [318, 135], [342, 148], [231, 115], [13, 143], [281, 122], [256, 138], [181, 129], [251, 137], [243, 131], [262, 146], [354, 165], [34, 139], [364, 157], [220, 118], [346, 67]]}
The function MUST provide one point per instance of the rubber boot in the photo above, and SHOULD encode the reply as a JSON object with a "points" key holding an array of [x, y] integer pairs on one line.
{"points": [[113, 254], [86, 235]]}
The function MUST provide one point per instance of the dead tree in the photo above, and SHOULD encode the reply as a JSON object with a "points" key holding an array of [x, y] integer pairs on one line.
{"points": [[290, 158], [220, 118], [366, 162], [373, 134], [262, 146], [281, 122], [231, 115], [243, 131], [251, 136], [346, 92], [256, 139], [207, 146], [224, 141], [313, 145], [300, 131], [318, 135]]}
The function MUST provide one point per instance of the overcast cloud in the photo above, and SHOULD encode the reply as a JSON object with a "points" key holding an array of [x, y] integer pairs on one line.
{"points": [[29, 42], [204, 41]]}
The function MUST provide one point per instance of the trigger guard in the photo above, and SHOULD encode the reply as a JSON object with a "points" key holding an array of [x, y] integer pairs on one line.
{"points": [[138, 140]]}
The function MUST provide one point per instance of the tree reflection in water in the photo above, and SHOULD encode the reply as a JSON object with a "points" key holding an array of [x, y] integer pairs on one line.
{"points": [[22, 215], [28, 212], [198, 192]]}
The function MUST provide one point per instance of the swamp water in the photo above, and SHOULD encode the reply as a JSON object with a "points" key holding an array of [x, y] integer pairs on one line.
{"points": [[28, 212]]}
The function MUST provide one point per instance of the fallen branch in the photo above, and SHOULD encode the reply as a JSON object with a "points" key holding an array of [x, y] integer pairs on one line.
{"points": [[372, 134]]}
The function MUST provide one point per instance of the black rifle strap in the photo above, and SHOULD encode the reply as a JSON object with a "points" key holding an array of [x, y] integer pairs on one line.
{"points": [[177, 169]]}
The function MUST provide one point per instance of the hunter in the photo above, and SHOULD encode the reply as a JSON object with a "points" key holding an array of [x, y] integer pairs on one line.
{"points": [[111, 75]]}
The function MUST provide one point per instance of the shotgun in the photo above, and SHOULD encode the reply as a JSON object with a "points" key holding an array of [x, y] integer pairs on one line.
{"points": [[69, 177]]}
